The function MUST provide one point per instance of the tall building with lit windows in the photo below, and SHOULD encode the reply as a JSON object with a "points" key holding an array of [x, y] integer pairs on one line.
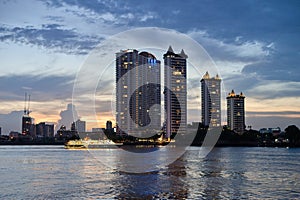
{"points": [[211, 100], [175, 93], [236, 112], [137, 90]]}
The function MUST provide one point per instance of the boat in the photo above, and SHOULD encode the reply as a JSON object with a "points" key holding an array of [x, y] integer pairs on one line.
{"points": [[92, 144]]}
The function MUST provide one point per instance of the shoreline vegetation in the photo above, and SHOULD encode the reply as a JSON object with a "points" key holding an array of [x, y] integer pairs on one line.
{"points": [[228, 138]]}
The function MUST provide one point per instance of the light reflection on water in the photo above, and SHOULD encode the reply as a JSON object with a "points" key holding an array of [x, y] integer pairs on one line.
{"points": [[47, 172]]}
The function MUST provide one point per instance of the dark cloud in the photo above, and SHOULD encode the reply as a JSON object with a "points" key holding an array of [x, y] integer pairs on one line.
{"points": [[51, 36], [279, 68], [56, 19], [92, 6], [11, 122], [42, 88], [283, 122], [240, 83], [273, 113]]}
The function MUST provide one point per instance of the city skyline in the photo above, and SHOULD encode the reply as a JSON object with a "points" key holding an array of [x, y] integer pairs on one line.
{"points": [[42, 51]]}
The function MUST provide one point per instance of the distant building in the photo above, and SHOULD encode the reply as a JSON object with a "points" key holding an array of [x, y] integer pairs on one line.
{"points": [[80, 126], [236, 112], [109, 125], [175, 93], [63, 134], [273, 131], [28, 127], [14, 135], [211, 100], [95, 130], [137, 90], [44, 130]]}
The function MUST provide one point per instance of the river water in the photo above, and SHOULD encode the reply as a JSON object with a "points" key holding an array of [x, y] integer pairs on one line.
{"points": [[52, 172]]}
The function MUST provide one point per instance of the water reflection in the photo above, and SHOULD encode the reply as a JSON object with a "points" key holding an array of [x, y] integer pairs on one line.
{"points": [[166, 184]]}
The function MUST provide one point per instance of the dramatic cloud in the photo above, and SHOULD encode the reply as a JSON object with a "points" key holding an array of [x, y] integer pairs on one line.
{"points": [[255, 45], [50, 36], [42, 88], [67, 117], [231, 51], [11, 122]]}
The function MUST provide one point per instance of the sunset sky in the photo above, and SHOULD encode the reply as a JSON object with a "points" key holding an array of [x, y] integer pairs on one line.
{"points": [[255, 46]]}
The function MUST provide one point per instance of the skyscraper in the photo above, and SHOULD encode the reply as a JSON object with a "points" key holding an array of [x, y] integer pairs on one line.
{"points": [[137, 90], [175, 93], [236, 112], [211, 100]]}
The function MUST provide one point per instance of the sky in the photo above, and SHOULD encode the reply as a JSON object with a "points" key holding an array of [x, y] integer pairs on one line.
{"points": [[255, 46]]}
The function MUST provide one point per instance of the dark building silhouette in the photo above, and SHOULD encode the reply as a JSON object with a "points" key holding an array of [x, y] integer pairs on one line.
{"points": [[63, 134], [236, 112], [28, 128], [109, 125], [44, 130]]}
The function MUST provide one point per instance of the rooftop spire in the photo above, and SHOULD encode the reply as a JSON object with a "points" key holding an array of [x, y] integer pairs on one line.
{"points": [[182, 54], [231, 94], [170, 49], [206, 76]]}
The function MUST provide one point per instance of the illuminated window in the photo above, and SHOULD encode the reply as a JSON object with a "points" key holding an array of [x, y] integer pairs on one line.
{"points": [[176, 73]]}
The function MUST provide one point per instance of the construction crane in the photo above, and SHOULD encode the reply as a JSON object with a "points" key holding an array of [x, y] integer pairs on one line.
{"points": [[27, 105], [25, 102]]}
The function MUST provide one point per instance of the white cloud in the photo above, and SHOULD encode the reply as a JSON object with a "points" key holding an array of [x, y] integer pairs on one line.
{"points": [[146, 17], [273, 89], [255, 50]]}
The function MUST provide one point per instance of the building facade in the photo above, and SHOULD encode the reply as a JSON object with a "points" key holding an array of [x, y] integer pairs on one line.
{"points": [[80, 126], [137, 90], [211, 100], [44, 130], [175, 92], [236, 112], [28, 127]]}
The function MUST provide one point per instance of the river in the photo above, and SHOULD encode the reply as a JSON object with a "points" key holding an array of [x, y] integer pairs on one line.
{"points": [[52, 172]]}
